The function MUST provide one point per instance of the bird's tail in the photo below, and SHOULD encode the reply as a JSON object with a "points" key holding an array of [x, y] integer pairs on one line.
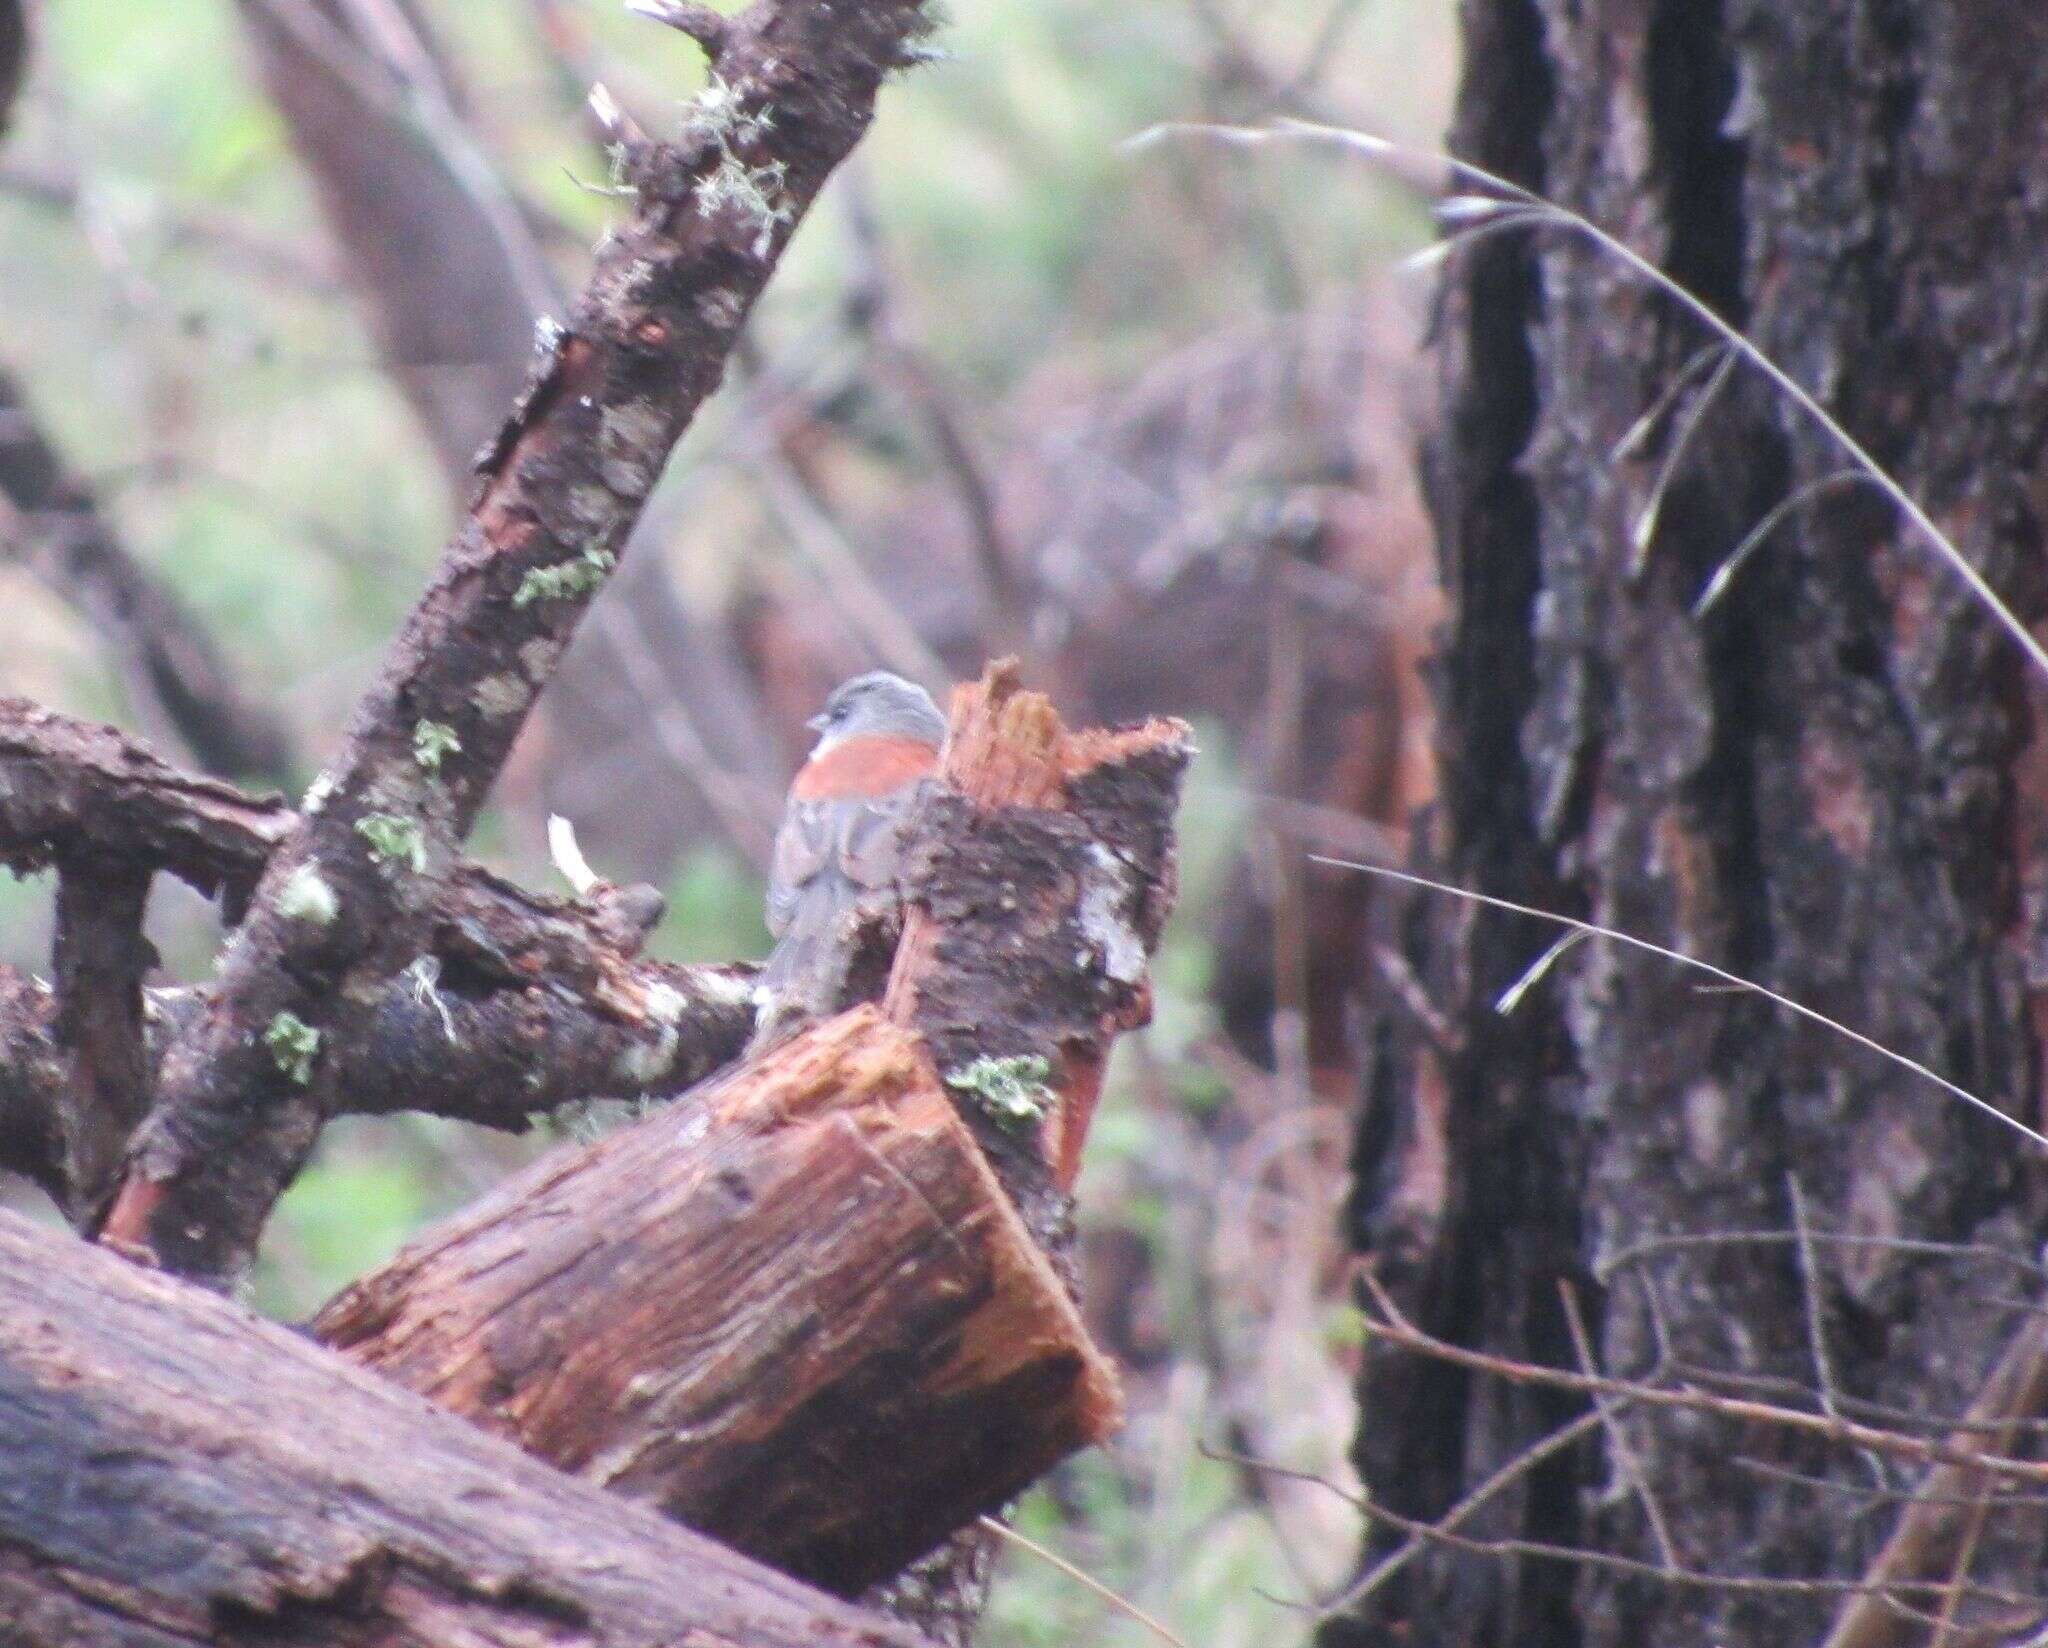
{"points": [[804, 978]]}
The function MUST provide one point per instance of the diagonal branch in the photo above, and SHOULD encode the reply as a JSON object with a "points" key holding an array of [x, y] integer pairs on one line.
{"points": [[559, 490], [1935, 1521], [51, 523], [439, 250], [175, 678]]}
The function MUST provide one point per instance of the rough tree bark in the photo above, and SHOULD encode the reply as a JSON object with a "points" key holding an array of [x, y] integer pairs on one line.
{"points": [[1812, 784], [722, 1392], [180, 1472], [522, 1003]]}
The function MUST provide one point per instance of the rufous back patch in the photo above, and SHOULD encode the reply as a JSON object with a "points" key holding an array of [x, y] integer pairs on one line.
{"points": [[865, 767]]}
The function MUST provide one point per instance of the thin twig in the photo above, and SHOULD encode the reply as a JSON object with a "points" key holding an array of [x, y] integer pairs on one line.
{"points": [[2015, 1389], [1525, 208], [1736, 979], [1397, 1330], [1466, 1508], [1624, 1451], [1816, 1332], [1691, 1578], [1122, 1604], [1656, 1246], [824, 543]]}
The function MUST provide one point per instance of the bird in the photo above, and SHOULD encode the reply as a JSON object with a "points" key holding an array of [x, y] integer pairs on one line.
{"points": [[834, 900]]}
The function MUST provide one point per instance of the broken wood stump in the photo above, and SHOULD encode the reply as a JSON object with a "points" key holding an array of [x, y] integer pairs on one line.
{"points": [[804, 1310]]}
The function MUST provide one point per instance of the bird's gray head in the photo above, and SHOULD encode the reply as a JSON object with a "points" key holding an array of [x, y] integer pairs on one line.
{"points": [[877, 704]]}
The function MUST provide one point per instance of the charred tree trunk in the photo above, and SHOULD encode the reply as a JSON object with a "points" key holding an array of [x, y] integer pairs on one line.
{"points": [[1815, 783]]}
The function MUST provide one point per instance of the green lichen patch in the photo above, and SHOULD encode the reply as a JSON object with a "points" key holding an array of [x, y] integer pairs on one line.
{"points": [[579, 576], [395, 840], [497, 696], [1011, 1092], [293, 1044], [432, 743]]}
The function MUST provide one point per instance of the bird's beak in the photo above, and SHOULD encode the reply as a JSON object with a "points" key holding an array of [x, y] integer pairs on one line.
{"points": [[816, 723]]}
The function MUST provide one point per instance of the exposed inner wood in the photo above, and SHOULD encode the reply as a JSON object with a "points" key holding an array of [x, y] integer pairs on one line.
{"points": [[820, 1309], [795, 1311]]}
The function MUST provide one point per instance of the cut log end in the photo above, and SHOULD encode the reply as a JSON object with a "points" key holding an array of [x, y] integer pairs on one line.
{"points": [[832, 1243]]}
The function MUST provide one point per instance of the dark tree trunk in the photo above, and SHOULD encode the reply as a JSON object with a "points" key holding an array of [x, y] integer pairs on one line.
{"points": [[1817, 784]]}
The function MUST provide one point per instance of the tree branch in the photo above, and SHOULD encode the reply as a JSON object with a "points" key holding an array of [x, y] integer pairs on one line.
{"points": [[711, 29], [1931, 1526], [80, 789], [474, 1050], [522, 1002], [559, 489], [175, 677], [99, 958], [35, 1085], [441, 255]]}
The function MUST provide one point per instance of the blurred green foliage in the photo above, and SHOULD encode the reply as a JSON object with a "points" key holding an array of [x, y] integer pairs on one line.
{"points": [[183, 335]]}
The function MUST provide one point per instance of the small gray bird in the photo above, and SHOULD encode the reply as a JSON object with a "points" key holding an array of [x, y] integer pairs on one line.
{"points": [[834, 879]]}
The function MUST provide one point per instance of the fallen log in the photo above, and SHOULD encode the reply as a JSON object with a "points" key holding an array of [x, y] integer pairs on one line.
{"points": [[800, 1311], [179, 1472], [797, 1313]]}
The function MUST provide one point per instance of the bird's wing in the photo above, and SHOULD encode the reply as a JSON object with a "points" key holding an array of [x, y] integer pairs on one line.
{"points": [[868, 836], [804, 845]]}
